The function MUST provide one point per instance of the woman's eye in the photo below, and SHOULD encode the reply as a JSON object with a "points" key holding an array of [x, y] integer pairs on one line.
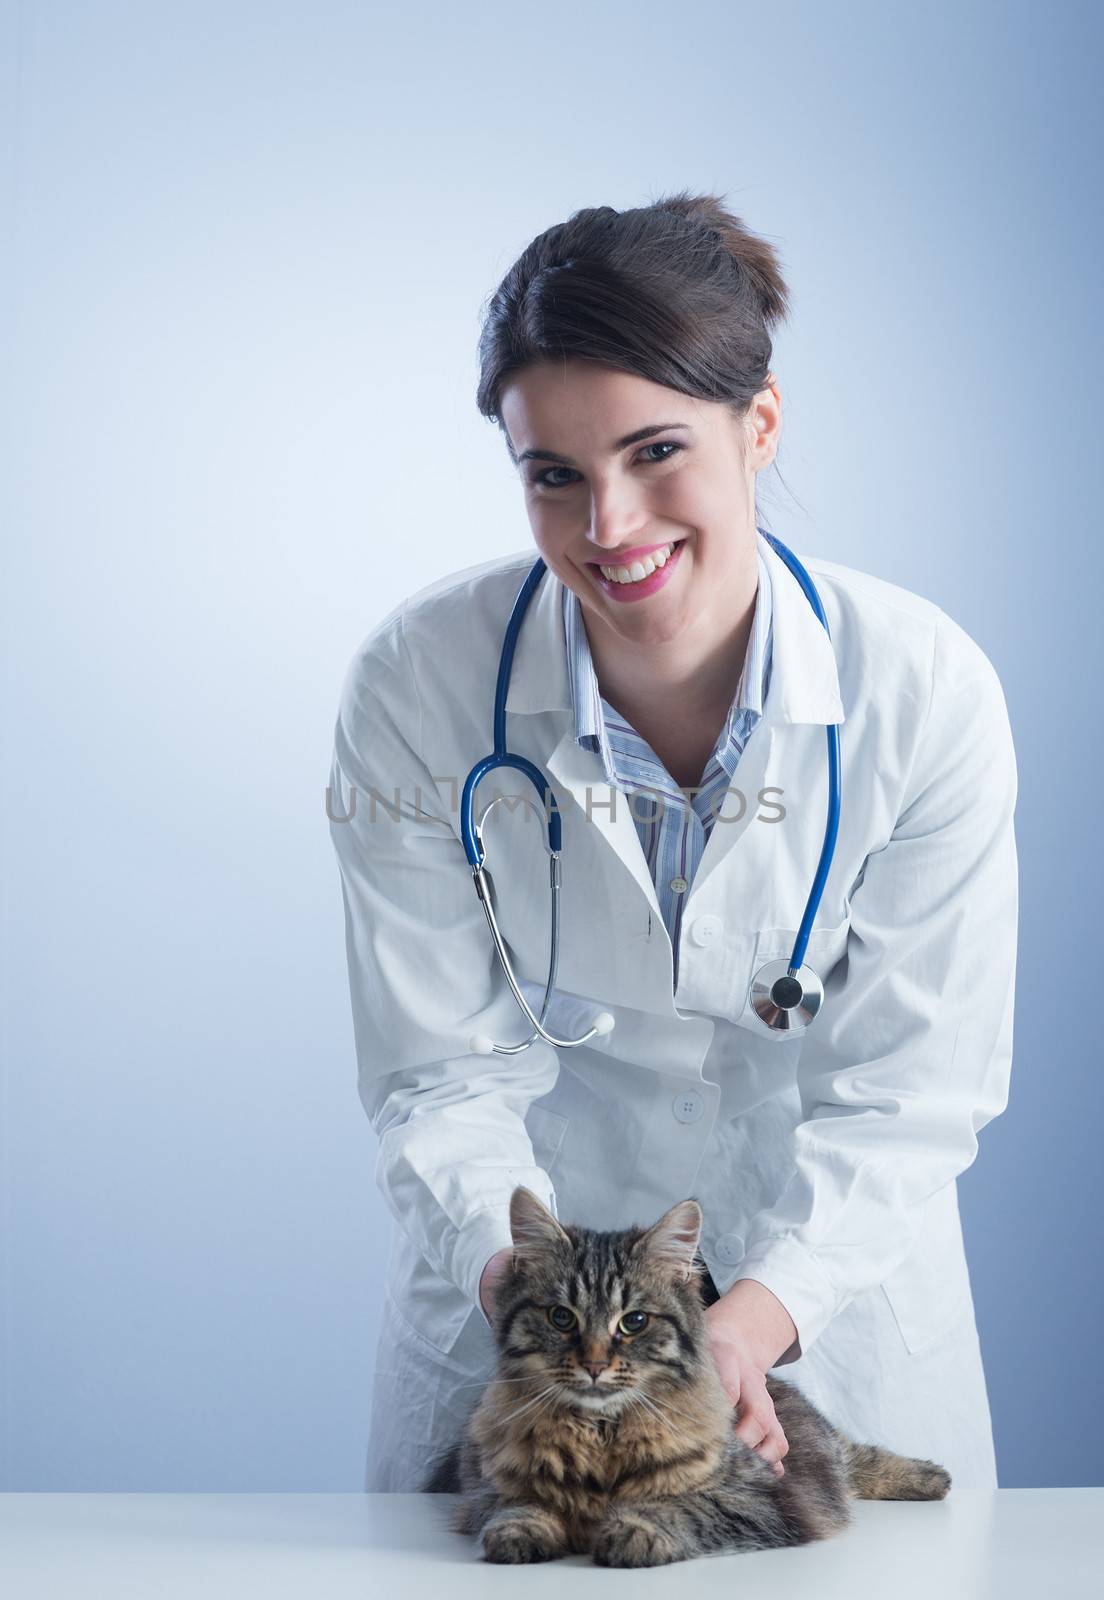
{"points": [[561, 1317], [541, 480], [664, 444], [633, 1322]]}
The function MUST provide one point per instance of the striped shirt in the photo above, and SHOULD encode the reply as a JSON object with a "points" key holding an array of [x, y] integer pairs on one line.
{"points": [[674, 827]]}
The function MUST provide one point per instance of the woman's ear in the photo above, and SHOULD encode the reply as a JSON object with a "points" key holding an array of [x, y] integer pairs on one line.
{"points": [[763, 426]]}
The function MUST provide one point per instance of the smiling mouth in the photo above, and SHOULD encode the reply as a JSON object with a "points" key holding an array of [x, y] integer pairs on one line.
{"points": [[606, 569], [670, 542]]}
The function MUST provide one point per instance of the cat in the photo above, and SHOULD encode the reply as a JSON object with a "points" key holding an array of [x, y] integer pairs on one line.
{"points": [[635, 1462]]}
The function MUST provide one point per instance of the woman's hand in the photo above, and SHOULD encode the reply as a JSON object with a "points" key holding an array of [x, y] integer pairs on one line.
{"points": [[739, 1365], [488, 1280]]}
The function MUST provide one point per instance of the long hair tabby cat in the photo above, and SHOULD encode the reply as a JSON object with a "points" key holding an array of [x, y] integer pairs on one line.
{"points": [[637, 1464]]}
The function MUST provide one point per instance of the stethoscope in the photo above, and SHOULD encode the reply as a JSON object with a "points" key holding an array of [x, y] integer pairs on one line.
{"points": [[784, 995]]}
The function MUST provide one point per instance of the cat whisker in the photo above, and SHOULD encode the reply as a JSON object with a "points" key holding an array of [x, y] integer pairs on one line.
{"points": [[552, 1387], [658, 1405], [486, 1382], [666, 1417], [549, 1397], [635, 1400]]}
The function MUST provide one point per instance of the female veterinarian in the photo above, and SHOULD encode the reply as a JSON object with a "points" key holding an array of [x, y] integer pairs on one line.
{"points": [[779, 795]]}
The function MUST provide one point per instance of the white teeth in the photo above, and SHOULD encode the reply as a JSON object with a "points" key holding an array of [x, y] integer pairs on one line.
{"points": [[639, 569]]}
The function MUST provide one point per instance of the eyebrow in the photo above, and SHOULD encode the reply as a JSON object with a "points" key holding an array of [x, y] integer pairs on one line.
{"points": [[619, 444]]}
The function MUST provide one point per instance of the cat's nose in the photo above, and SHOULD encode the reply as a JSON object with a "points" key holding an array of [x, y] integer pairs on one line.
{"points": [[595, 1368]]}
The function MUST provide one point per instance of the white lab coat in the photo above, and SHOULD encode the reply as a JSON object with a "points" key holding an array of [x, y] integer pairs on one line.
{"points": [[825, 1163]]}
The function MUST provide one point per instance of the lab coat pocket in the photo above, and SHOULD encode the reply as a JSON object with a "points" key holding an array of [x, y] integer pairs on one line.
{"points": [[825, 948], [921, 1309], [929, 1292]]}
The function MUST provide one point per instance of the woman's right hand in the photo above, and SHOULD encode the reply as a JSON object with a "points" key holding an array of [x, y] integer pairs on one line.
{"points": [[489, 1278]]}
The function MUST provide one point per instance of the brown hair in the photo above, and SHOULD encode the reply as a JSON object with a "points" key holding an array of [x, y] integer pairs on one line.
{"points": [[679, 292]]}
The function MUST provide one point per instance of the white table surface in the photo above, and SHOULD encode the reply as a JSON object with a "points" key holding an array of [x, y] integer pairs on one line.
{"points": [[978, 1544]]}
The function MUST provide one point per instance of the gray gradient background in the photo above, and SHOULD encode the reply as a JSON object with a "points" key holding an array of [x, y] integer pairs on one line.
{"points": [[246, 248]]}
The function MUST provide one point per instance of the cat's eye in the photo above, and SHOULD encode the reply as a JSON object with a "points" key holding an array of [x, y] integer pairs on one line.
{"points": [[633, 1322], [561, 1317]]}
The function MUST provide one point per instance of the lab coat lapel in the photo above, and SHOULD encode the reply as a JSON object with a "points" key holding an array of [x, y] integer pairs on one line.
{"points": [[581, 774], [737, 809], [804, 688]]}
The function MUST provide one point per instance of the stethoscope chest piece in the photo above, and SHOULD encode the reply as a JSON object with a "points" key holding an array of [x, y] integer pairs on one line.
{"points": [[786, 1001]]}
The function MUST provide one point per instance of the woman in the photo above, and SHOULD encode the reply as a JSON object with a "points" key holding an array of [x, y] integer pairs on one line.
{"points": [[679, 710]]}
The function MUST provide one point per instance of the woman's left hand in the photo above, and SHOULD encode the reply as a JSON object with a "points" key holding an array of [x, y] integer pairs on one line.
{"points": [[744, 1381]]}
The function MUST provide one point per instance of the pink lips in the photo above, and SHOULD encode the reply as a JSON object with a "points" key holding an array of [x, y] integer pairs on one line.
{"points": [[625, 558], [639, 591]]}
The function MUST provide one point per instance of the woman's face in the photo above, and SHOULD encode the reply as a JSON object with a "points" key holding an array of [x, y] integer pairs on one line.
{"points": [[594, 499]]}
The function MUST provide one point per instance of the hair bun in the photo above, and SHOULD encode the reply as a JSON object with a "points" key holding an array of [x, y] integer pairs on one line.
{"points": [[751, 254]]}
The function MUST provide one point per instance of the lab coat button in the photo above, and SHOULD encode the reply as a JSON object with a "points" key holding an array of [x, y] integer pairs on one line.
{"points": [[688, 1105], [705, 929], [730, 1248]]}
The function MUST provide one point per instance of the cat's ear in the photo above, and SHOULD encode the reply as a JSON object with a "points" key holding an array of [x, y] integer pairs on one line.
{"points": [[535, 1230], [672, 1241]]}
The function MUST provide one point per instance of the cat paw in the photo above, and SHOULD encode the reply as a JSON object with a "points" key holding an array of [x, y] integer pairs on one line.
{"points": [[518, 1536], [628, 1541], [931, 1480]]}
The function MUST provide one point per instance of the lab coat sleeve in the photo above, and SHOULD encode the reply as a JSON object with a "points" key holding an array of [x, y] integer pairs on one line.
{"points": [[911, 1054], [423, 977]]}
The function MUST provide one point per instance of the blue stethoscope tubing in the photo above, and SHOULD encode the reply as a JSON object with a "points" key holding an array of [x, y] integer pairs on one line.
{"points": [[786, 996]]}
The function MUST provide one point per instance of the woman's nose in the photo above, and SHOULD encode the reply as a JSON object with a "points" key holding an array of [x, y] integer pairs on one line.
{"points": [[617, 516]]}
